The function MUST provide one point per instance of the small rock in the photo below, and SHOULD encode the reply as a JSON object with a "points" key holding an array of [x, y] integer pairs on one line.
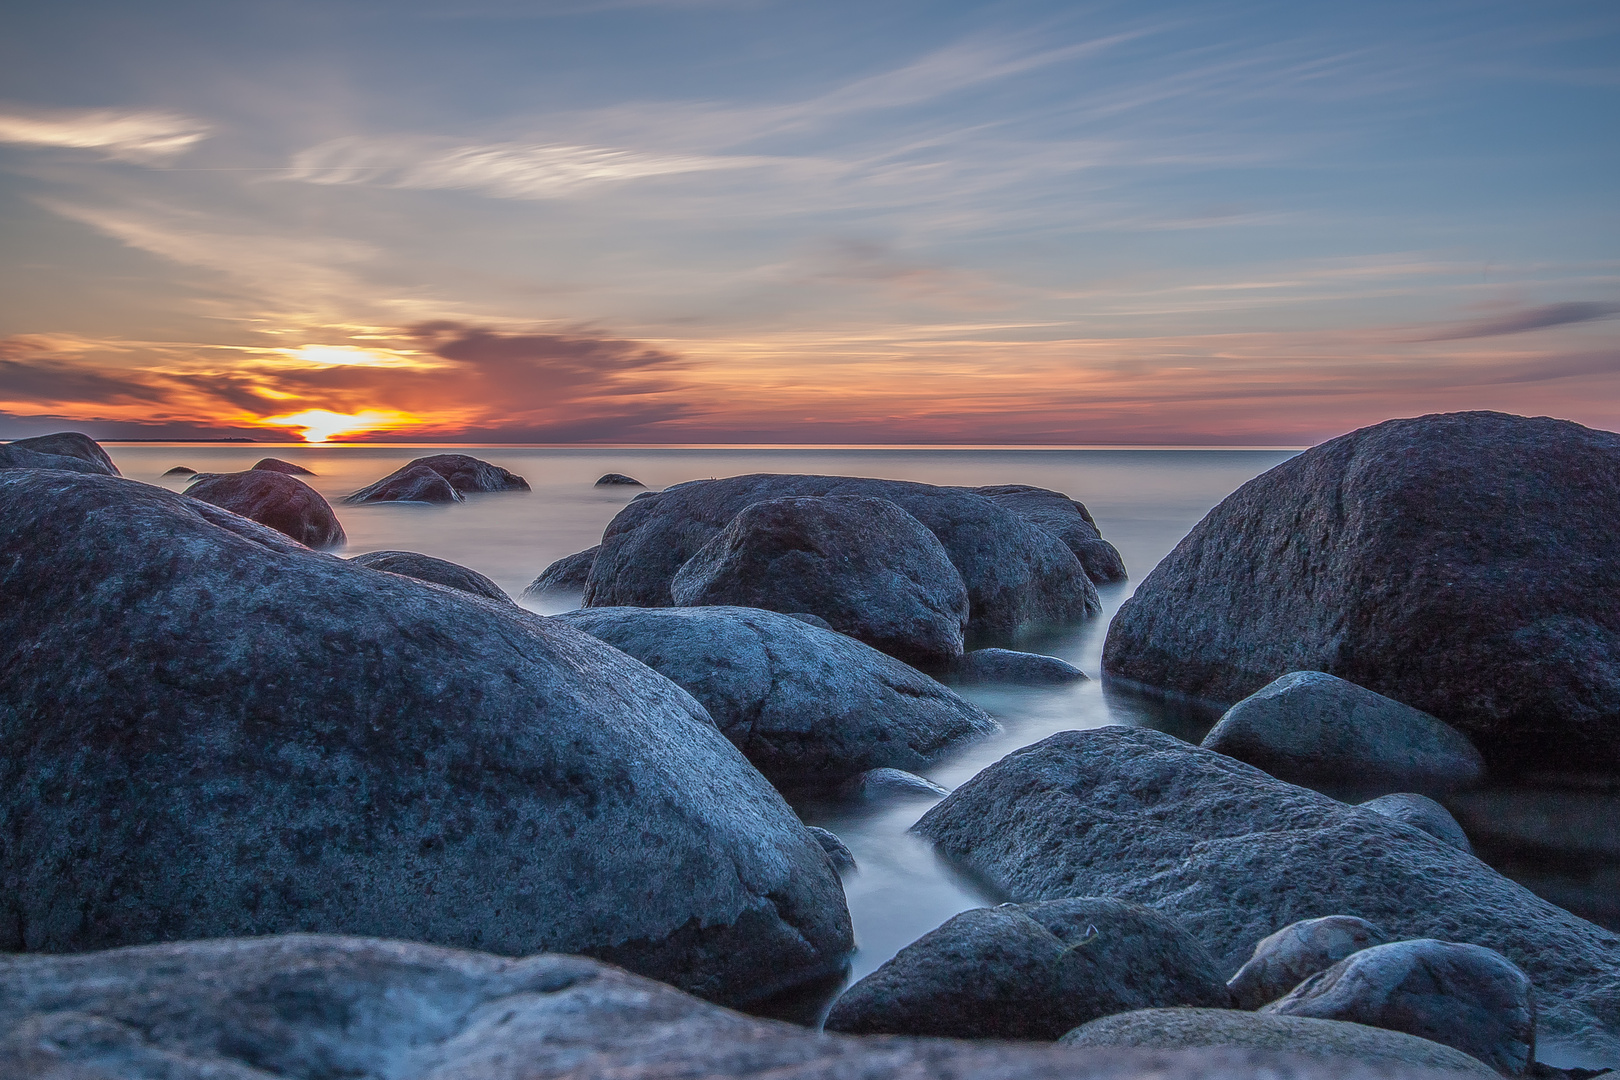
{"points": [[1424, 813], [68, 451], [282, 502], [842, 858], [438, 571], [1465, 996], [1031, 971], [614, 479], [1195, 1029], [416, 484], [462, 472], [1296, 952], [180, 470], [1311, 728], [271, 464], [1008, 666], [564, 577], [877, 785]]}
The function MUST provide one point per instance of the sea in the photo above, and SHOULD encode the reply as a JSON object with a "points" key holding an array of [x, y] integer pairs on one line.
{"points": [[1556, 838]]}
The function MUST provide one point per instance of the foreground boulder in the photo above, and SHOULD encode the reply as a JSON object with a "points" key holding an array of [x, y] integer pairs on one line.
{"points": [[1295, 953], [865, 566], [464, 475], [1031, 972], [1069, 521], [427, 568], [207, 730], [1464, 564], [271, 464], [807, 706], [1019, 578], [1233, 855], [307, 1006], [565, 577], [1313, 729], [65, 450], [285, 503], [1464, 996], [1188, 1029]]}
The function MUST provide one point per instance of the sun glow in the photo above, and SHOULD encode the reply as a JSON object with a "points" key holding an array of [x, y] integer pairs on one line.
{"points": [[353, 356], [319, 425]]}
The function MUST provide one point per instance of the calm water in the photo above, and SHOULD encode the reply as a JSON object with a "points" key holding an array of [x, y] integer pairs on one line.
{"points": [[1144, 501]]}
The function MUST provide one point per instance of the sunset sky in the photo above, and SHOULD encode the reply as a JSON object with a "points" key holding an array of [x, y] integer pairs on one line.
{"points": [[702, 221]]}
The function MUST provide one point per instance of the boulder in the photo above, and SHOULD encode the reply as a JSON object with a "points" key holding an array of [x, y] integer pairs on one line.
{"points": [[285, 503], [864, 565], [180, 470], [1295, 953], [413, 484], [807, 706], [1031, 971], [1065, 519], [1195, 1029], [1424, 813], [1020, 579], [1007, 666], [1464, 996], [207, 730], [1463, 563], [315, 1007], [438, 571], [466, 474], [614, 479], [66, 450], [565, 577], [1232, 854], [837, 851], [1311, 728], [810, 620], [879, 785], [271, 464]]}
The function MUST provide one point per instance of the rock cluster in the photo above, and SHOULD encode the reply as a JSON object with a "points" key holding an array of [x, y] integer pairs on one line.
{"points": [[439, 478]]}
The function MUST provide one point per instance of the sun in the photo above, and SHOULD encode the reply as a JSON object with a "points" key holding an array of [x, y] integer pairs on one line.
{"points": [[319, 425]]}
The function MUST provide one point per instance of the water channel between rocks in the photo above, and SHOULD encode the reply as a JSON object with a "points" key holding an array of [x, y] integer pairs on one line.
{"points": [[1558, 840]]}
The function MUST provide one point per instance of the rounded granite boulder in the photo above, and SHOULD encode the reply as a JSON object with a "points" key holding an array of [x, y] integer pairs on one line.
{"points": [[285, 503], [1296, 952], [65, 450], [426, 568]]}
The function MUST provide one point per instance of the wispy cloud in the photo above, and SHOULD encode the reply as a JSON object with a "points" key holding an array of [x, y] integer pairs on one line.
{"points": [[1523, 319], [123, 134]]}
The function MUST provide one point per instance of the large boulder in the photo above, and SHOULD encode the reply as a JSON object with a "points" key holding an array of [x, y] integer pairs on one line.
{"points": [[1464, 996], [1065, 519], [412, 484], [806, 705], [285, 503], [1296, 952], [208, 730], [65, 450], [565, 577], [864, 565], [1311, 728], [427, 568], [1031, 971], [1200, 1029], [1019, 578], [316, 1007], [464, 473], [1464, 564], [1234, 854]]}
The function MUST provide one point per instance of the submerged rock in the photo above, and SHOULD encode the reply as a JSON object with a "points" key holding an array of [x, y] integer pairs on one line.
{"points": [[1233, 854], [68, 451], [565, 577], [413, 484], [878, 785], [1424, 813], [1464, 996], [837, 851], [464, 474], [807, 706], [438, 571], [614, 479], [207, 730], [1463, 563], [180, 470], [1031, 971], [285, 503], [1006, 666], [1065, 519], [864, 565], [271, 464], [1314, 729], [1295, 953]]}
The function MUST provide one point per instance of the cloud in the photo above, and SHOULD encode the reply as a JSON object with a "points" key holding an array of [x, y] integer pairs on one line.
{"points": [[122, 134], [1518, 322]]}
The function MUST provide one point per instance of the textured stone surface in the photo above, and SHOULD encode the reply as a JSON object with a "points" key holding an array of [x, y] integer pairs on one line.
{"points": [[1463, 563], [1424, 813], [427, 568], [1065, 519], [806, 705], [65, 450], [1019, 578], [462, 472], [1233, 854], [285, 503], [1311, 728], [307, 1007], [414, 483], [614, 479], [1008, 666], [565, 577], [837, 851], [271, 464], [864, 565], [208, 730], [876, 785], [1187, 1029], [1464, 996], [1031, 971], [1293, 954]]}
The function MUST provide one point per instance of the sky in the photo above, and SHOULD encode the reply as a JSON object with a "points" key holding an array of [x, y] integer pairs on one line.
{"points": [[751, 221]]}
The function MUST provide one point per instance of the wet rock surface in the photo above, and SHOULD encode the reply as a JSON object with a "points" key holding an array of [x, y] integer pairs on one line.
{"points": [[878, 785], [989, 666], [1293, 954], [464, 473], [1064, 518], [426, 568], [412, 484], [284, 503], [565, 577], [1311, 728], [864, 565], [837, 851], [1464, 996], [1234, 855], [614, 479], [65, 450], [1461, 563], [271, 464], [1422, 812], [190, 747], [1031, 971], [1020, 579], [807, 706], [310, 1006]]}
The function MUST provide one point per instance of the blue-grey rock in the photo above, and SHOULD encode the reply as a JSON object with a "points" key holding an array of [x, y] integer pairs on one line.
{"points": [[1064, 518], [464, 473], [68, 451], [1296, 952], [285, 503], [565, 577], [837, 851], [1007, 666], [1424, 813], [412, 484], [439, 571], [879, 785], [614, 479]]}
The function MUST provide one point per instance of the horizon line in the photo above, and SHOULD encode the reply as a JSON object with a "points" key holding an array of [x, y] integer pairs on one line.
{"points": [[339, 444]]}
